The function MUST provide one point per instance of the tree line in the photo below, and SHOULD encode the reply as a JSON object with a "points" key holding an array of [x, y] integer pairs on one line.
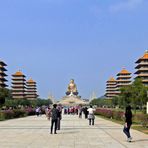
{"points": [[7, 100], [135, 94]]}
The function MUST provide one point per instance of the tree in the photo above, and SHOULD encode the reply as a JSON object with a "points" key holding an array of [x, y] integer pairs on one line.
{"points": [[40, 102], [125, 96], [102, 102], [139, 93], [4, 94], [115, 101], [134, 94]]}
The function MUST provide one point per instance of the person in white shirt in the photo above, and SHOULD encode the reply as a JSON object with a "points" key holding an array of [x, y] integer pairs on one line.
{"points": [[91, 115], [38, 111]]}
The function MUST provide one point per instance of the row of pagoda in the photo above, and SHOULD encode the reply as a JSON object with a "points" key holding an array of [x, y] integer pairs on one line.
{"points": [[124, 77], [21, 89]]}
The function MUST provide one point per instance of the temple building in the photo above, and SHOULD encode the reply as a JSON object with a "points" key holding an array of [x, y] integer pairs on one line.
{"points": [[123, 79], [72, 98], [142, 68], [31, 92], [2, 74], [111, 88], [18, 85]]}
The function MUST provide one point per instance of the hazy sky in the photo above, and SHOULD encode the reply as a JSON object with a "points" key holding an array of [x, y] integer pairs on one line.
{"points": [[53, 41]]}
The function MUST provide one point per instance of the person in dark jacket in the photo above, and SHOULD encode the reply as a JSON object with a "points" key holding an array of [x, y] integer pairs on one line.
{"points": [[85, 112], [54, 118], [59, 117], [128, 123]]}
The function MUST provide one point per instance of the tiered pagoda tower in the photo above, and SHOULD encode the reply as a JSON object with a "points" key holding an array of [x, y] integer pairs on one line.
{"points": [[123, 79], [18, 85], [142, 68], [111, 88], [2, 74], [31, 93]]}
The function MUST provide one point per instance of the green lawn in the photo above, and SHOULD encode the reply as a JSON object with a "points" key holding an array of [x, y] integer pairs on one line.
{"points": [[140, 128]]}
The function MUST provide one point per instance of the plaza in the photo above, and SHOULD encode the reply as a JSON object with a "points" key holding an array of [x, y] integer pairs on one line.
{"points": [[85, 57], [33, 132]]}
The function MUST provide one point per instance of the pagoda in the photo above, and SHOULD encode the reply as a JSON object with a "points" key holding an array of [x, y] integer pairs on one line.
{"points": [[2, 74], [18, 85], [111, 88], [31, 93], [142, 68], [123, 79]]}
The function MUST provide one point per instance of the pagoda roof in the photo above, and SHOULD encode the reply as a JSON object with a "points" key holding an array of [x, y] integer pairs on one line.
{"points": [[3, 79], [111, 80], [144, 57], [2, 63], [3, 68], [31, 81], [2, 74], [18, 73], [123, 71]]}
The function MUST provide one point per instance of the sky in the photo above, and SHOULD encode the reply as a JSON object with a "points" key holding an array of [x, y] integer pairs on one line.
{"points": [[53, 41]]}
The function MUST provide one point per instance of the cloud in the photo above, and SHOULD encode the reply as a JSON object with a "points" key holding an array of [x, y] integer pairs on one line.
{"points": [[125, 5]]}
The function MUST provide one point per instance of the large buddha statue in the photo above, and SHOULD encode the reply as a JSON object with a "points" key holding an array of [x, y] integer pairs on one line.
{"points": [[72, 88]]}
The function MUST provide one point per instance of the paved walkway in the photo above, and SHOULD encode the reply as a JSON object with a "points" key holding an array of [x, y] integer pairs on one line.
{"points": [[33, 132]]}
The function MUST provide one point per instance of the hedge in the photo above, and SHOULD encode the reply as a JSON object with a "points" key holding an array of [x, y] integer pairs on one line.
{"points": [[119, 115], [108, 113], [16, 113]]}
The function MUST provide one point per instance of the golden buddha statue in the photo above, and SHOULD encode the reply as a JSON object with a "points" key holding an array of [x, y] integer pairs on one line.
{"points": [[72, 88]]}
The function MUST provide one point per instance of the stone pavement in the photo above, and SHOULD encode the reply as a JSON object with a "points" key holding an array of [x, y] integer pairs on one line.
{"points": [[33, 132]]}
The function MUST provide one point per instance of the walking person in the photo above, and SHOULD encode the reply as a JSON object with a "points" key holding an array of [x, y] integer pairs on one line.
{"points": [[54, 118], [80, 111], [59, 117], [37, 110], [85, 112], [91, 116], [128, 123], [48, 112]]}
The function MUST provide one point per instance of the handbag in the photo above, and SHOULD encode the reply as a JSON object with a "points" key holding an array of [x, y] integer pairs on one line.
{"points": [[91, 116]]}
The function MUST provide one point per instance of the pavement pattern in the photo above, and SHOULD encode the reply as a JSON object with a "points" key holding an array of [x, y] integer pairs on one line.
{"points": [[34, 132]]}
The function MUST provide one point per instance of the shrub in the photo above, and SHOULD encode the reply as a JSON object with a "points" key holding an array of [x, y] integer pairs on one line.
{"points": [[109, 113], [118, 115], [19, 113], [143, 119], [2, 116], [8, 114], [30, 111], [16, 113]]}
